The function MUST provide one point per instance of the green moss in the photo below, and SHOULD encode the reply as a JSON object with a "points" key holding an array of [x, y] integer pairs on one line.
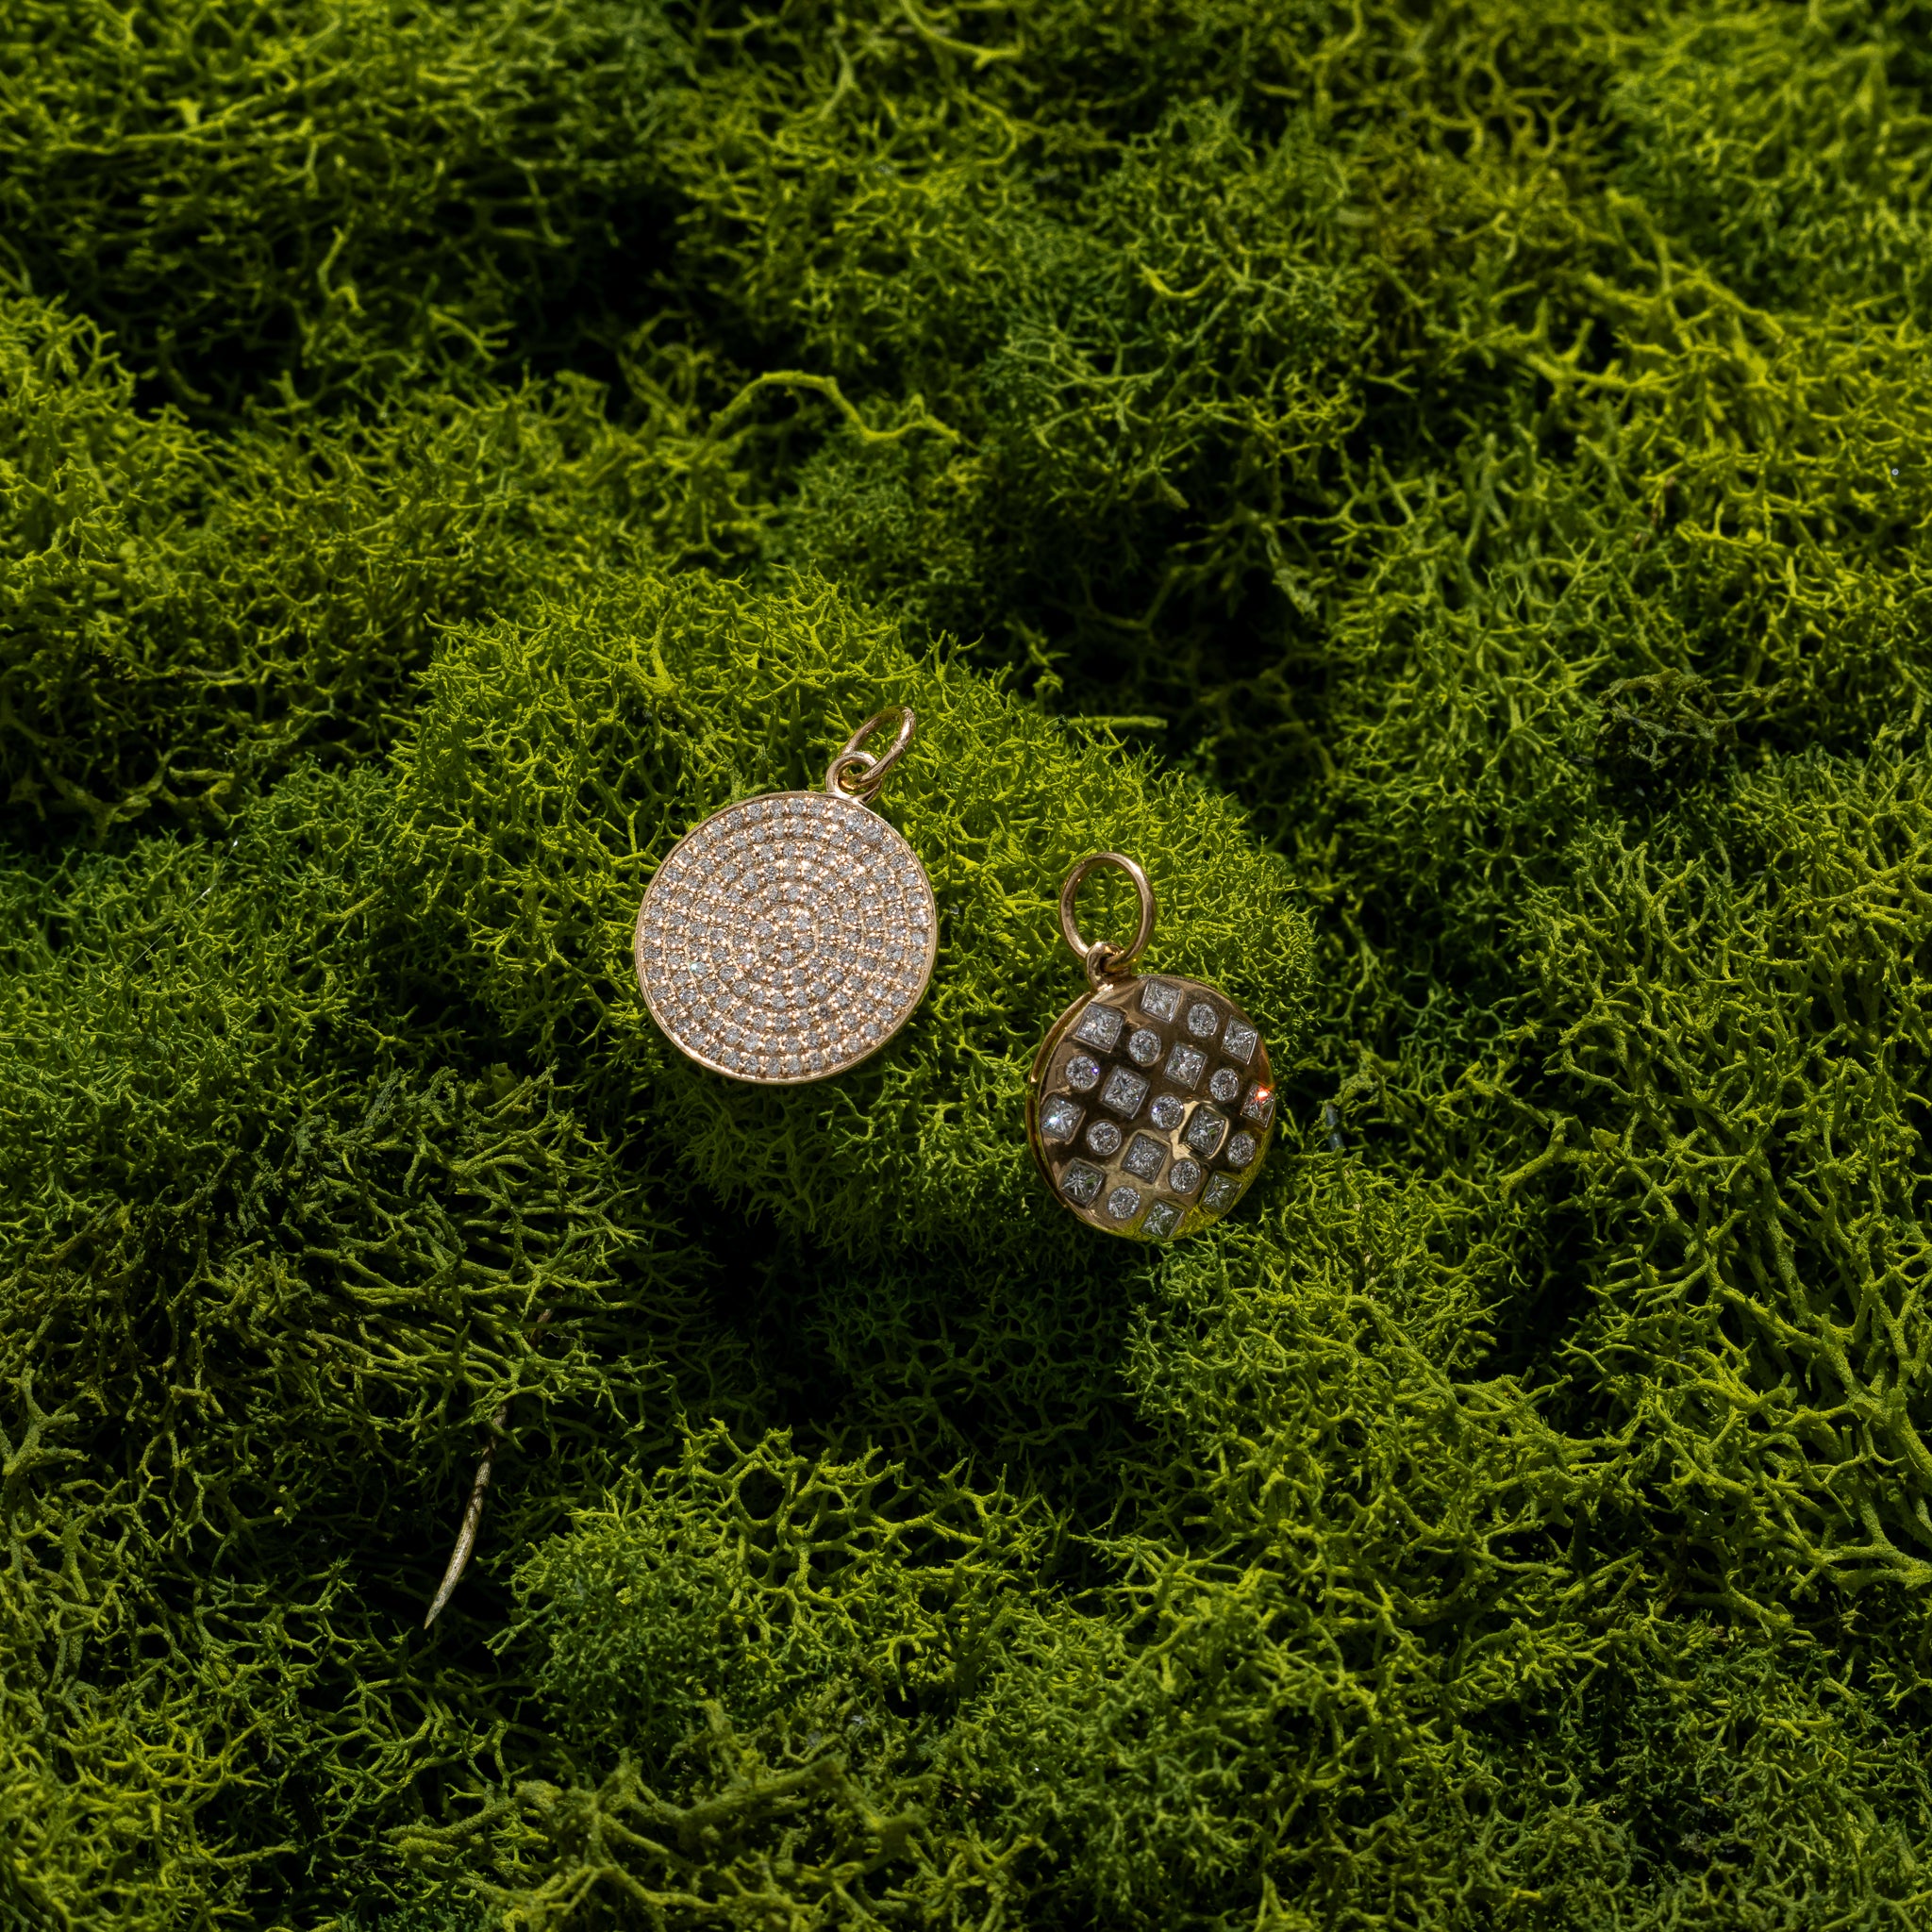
{"points": [[183, 615], [1786, 151], [295, 191], [783, 1638], [1749, 1035], [1048, 331], [271, 1262], [1445, 486], [750, 1578]]}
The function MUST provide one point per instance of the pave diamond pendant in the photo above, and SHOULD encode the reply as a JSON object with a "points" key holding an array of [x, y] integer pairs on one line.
{"points": [[1150, 1106], [787, 938]]}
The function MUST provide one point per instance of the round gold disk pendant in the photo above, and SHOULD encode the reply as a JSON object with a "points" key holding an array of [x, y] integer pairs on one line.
{"points": [[1150, 1106], [788, 937]]}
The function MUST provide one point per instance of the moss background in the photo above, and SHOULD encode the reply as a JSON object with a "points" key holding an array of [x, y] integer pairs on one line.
{"points": [[1445, 484]]}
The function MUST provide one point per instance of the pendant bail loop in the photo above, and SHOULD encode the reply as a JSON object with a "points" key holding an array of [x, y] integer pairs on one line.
{"points": [[1103, 959], [871, 770]]}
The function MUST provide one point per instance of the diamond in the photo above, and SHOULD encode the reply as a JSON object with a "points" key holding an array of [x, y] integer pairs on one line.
{"points": [[1123, 1092], [1167, 1110], [1144, 1046], [1162, 1219], [1160, 999], [1241, 1150], [1259, 1105], [1206, 1131], [1240, 1041], [1059, 1119], [1184, 1177], [1081, 1184], [1184, 1065], [1124, 1203], [1203, 1020], [1143, 1159], [1082, 1073], [1104, 1137], [1099, 1027], [1223, 1192], [1225, 1084]]}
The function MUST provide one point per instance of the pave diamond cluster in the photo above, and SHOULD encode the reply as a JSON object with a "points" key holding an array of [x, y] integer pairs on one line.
{"points": [[1154, 1105], [786, 938]]}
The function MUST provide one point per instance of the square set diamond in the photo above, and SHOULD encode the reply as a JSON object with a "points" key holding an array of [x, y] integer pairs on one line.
{"points": [[1059, 1119], [1100, 1026], [1160, 999], [1185, 1066], [1123, 1092], [1240, 1040], [1081, 1183], [1162, 1219]]}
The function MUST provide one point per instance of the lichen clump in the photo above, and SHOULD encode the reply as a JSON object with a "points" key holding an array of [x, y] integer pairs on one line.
{"points": [[1445, 490]]}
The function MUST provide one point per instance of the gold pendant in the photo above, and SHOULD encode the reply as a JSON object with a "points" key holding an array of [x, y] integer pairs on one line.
{"points": [[787, 938], [1150, 1104]]}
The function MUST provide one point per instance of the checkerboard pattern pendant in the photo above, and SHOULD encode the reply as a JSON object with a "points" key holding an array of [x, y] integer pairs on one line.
{"points": [[788, 937], [1150, 1106]]}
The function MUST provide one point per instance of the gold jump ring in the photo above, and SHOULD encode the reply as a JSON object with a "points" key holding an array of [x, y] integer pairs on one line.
{"points": [[872, 771], [1102, 958]]}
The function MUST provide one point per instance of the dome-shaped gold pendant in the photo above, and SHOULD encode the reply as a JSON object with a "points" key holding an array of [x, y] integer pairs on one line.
{"points": [[1150, 1106]]}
